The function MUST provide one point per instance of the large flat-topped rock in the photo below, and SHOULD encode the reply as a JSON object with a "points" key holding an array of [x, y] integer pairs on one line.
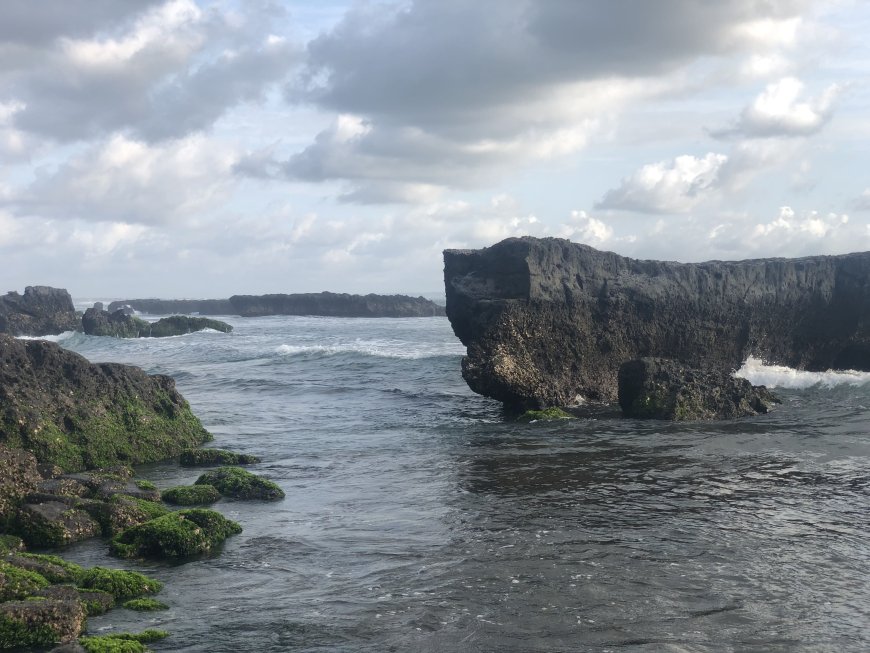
{"points": [[547, 320], [40, 311]]}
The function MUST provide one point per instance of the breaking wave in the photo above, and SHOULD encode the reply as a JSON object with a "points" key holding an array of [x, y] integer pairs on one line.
{"points": [[780, 376]]}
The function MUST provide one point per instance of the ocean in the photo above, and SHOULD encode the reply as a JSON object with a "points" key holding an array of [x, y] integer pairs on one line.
{"points": [[418, 518]]}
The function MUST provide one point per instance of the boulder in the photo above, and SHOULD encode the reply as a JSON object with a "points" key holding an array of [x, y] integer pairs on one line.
{"points": [[119, 583], [547, 322], [78, 415], [238, 483], [191, 495], [40, 311], [17, 583], [116, 325], [40, 623], [655, 388], [53, 523], [179, 325], [177, 535]]}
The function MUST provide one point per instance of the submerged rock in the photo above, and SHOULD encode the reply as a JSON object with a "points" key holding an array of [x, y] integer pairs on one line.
{"points": [[41, 311], [181, 534], [547, 320], [79, 415], [211, 457], [241, 484], [656, 388]]}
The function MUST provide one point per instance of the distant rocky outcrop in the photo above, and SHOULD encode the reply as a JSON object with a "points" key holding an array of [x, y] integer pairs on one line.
{"points": [[176, 306], [78, 415], [547, 321], [40, 311], [657, 388], [120, 324], [325, 304]]}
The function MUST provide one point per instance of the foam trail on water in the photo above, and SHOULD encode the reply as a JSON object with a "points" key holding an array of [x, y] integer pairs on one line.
{"points": [[779, 376], [58, 338]]}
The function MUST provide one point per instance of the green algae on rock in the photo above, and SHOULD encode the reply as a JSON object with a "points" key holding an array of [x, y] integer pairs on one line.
{"points": [[40, 623], [78, 415], [211, 457], [120, 584], [178, 535], [17, 583], [122, 642], [191, 495], [546, 415], [241, 484], [53, 568], [145, 605]]}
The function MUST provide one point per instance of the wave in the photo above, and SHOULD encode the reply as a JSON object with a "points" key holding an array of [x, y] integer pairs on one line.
{"points": [[374, 348], [779, 376], [61, 337]]}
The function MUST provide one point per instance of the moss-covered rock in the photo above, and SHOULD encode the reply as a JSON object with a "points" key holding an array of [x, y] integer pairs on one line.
{"points": [[53, 568], [213, 457], [17, 583], [178, 535], [39, 623], [53, 523], [121, 512], [10, 544], [240, 484], [96, 322], [122, 642], [145, 605], [546, 415], [178, 325], [95, 602], [79, 415], [191, 495], [120, 584]]}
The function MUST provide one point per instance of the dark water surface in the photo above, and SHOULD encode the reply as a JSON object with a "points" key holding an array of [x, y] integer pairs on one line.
{"points": [[417, 519]]}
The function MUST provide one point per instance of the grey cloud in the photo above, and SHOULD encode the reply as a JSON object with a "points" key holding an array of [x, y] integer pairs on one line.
{"points": [[177, 83], [496, 71]]}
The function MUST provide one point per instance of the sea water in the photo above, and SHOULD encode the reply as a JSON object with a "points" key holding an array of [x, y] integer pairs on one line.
{"points": [[418, 518]]}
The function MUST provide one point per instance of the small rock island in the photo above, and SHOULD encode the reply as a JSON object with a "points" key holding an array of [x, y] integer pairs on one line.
{"points": [[548, 322]]}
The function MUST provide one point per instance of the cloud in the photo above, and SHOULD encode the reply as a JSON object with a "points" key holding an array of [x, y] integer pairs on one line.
{"points": [[675, 186], [454, 94], [166, 72], [862, 203], [780, 111], [129, 181]]}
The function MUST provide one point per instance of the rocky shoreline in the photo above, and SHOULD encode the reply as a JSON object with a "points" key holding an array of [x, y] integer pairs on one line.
{"points": [[69, 430]]}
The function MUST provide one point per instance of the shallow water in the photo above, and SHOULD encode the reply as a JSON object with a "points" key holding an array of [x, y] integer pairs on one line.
{"points": [[417, 519]]}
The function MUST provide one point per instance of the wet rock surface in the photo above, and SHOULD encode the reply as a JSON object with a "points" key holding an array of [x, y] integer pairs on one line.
{"points": [[655, 388], [547, 320]]}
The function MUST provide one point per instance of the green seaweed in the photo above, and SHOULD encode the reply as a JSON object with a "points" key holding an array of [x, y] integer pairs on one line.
{"points": [[145, 485], [145, 605], [94, 606], [119, 583], [122, 642], [240, 484], [15, 633], [546, 415], [191, 495], [178, 535], [19, 583], [10, 543], [72, 571]]}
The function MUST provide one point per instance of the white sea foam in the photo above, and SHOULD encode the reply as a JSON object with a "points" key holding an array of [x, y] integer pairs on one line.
{"points": [[779, 376], [58, 338]]}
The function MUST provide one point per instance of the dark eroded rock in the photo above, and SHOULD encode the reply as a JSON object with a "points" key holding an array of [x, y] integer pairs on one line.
{"points": [[335, 305], [212, 457], [19, 477], [546, 321], [40, 311], [116, 325], [656, 388], [54, 523], [78, 415]]}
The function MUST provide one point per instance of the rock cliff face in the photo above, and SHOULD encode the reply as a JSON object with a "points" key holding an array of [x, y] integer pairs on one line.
{"points": [[78, 415], [335, 305], [40, 311], [547, 321]]}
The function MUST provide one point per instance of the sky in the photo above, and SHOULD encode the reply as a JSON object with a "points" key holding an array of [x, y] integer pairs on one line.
{"points": [[198, 148]]}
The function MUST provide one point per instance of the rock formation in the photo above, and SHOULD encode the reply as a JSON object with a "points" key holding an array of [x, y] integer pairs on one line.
{"points": [[325, 304], [122, 325], [78, 415], [658, 388], [547, 321], [40, 311]]}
